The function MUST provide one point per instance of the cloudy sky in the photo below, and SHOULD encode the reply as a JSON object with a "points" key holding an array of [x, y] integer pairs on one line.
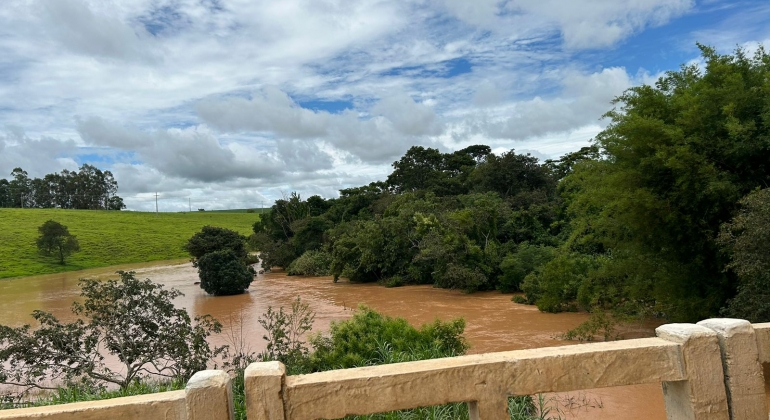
{"points": [[231, 103]]}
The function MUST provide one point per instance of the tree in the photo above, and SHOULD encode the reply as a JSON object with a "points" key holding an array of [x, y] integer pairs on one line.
{"points": [[223, 273], [675, 160], [55, 239], [115, 203], [133, 320], [745, 239], [212, 238]]}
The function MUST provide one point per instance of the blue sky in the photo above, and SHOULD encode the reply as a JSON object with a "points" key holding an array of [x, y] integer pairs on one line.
{"points": [[229, 103]]}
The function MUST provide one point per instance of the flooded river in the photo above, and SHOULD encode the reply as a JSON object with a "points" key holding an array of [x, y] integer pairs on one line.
{"points": [[494, 323]]}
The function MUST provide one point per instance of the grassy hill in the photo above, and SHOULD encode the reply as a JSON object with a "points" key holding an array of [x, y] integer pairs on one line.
{"points": [[106, 237]]}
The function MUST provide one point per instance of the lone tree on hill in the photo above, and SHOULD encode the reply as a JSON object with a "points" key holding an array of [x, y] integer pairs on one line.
{"points": [[55, 239]]}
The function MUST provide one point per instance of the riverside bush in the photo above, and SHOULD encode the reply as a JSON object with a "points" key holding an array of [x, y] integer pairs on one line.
{"points": [[223, 273], [311, 263], [359, 341]]}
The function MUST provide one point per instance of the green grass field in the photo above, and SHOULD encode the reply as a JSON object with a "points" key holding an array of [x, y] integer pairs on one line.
{"points": [[106, 237]]}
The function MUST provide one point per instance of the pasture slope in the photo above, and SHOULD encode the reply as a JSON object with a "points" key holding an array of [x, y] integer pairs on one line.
{"points": [[106, 237]]}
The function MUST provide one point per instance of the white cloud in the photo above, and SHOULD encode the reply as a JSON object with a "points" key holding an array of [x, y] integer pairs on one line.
{"points": [[407, 116], [582, 23], [268, 111], [72, 24], [204, 99], [192, 153], [38, 157], [582, 100], [397, 121]]}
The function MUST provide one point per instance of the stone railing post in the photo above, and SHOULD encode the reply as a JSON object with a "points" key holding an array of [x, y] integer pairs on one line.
{"points": [[264, 390], [209, 396], [702, 395], [744, 379], [489, 409]]}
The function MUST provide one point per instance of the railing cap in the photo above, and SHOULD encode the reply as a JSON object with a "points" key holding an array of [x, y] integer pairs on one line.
{"points": [[208, 378], [728, 326], [265, 369]]}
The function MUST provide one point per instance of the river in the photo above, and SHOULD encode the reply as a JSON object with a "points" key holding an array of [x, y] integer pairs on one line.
{"points": [[494, 323]]}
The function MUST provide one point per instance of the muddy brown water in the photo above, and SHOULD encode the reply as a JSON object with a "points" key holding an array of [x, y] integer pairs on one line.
{"points": [[493, 322]]}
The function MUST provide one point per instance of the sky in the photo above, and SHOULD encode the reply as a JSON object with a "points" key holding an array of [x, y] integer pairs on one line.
{"points": [[222, 104]]}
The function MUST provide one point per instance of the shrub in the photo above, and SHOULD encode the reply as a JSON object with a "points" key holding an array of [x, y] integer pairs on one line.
{"points": [[285, 331], [133, 320], [460, 277], [599, 324], [395, 281], [358, 341], [311, 263], [516, 266], [554, 288], [223, 273], [520, 299]]}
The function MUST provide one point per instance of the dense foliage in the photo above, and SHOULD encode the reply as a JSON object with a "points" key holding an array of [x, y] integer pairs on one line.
{"points": [[628, 224], [222, 259], [212, 238], [87, 189], [56, 240], [746, 239], [674, 163], [222, 273], [475, 210], [132, 320]]}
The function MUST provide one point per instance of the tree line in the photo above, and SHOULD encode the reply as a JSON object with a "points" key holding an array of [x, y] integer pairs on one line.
{"points": [[662, 215], [88, 188]]}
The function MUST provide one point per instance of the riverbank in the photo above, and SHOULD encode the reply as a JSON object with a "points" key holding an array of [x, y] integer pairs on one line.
{"points": [[106, 238]]}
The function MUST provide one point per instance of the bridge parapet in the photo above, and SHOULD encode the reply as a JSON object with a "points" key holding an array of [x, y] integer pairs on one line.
{"points": [[712, 370]]}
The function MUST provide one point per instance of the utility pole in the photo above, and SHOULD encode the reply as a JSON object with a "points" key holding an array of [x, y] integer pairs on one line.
{"points": [[189, 204], [156, 204]]}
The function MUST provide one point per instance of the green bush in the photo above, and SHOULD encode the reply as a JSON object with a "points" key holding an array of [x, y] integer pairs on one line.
{"points": [[395, 281], [223, 273], [311, 263], [554, 288], [360, 341], [516, 266], [460, 277], [520, 299]]}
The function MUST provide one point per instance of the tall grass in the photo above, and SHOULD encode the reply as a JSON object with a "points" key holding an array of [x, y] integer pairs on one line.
{"points": [[106, 237]]}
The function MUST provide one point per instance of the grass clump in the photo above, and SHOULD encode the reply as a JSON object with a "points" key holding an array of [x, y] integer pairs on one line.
{"points": [[106, 237]]}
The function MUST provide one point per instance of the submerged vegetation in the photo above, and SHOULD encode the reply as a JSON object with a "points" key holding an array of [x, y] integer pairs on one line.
{"points": [[630, 224], [367, 339]]}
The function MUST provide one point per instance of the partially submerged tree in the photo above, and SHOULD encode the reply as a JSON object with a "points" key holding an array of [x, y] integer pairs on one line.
{"points": [[56, 240], [133, 320], [212, 238], [223, 273]]}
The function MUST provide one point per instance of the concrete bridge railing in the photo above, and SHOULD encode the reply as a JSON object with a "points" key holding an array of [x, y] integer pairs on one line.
{"points": [[712, 370]]}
